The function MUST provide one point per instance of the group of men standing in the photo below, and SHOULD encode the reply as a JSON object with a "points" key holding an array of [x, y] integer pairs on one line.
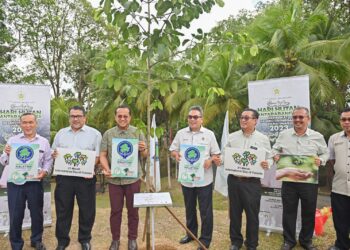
{"points": [[244, 192], [68, 188]]}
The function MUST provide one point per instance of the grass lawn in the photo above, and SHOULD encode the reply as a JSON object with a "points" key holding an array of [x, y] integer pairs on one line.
{"points": [[167, 230]]}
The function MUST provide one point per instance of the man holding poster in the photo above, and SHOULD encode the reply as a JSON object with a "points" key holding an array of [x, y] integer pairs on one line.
{"points": [[199, 138], [21, 189], [252, 150], [118, 151], [68, 142], [295, 142]]}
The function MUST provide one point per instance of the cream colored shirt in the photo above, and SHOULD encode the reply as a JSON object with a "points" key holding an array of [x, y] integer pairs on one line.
{"points": [[339, 150], [203, 137], [256, 141], [311, 143]]}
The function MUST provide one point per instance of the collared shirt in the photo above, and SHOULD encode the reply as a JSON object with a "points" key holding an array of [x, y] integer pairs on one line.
{"points": [[310, 143], [86, 138], [106, 145], [45, 158], [203, 137], [339, 150], [255, 141]]}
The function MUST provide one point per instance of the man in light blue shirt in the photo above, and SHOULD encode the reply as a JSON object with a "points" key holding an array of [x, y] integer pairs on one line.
{"points": [[79, 136], [31, 192]]}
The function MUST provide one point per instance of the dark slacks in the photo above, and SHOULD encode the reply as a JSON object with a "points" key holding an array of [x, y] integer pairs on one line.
{"points": [[116, 198], [341, 218], [244, 194], [32, 193], [67, 189], [205, 202], [291, 193]]}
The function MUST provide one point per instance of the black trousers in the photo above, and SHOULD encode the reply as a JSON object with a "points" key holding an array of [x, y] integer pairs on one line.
{"points": [[244, 194], [205, 201], [67, 188], [291, 193], [341, 218], [17, 195]]}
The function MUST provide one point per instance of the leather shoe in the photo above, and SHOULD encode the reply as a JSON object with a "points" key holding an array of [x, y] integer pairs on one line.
{"points": [[38, 245], [114, 245], [86, 246], [185, 239], [334, 248], [59, 247], [234, 247], [286, 246], [308, 246], [132, 245]]}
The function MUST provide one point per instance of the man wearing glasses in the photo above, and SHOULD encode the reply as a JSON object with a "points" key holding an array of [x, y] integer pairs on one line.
{"points": [[196, 134], [300, 140], [79, 136], [123, 187], [245, 192], [339, 149]]}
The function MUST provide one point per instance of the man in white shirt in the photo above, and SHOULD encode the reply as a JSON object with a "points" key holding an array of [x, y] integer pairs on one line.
{"points": [[196, 134]]}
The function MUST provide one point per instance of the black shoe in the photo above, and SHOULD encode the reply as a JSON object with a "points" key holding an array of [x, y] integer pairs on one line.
{"points": [[334, 248], [286, 246], [234, 247], [114, 245], [86, 246], [60, 247], [185, 239], [38, 245], [132, 245], [308, 246]]}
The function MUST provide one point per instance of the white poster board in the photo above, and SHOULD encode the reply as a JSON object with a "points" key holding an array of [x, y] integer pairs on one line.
{"points": [[191, 166], [75, 162], [244, 162], [152, 199], [125, 158]]}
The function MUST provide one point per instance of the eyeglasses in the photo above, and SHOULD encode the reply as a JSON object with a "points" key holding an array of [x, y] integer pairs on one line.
{"points": [[344, 119], [194, 117], [246, 118], [122, 116], [76, 116], [298, 117]]}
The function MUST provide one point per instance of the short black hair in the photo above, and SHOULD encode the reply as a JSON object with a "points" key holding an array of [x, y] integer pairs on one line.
{"points": [[255, 113], [123, 106], [345, 110], [198, 108], [28, 113], [302, 108], [76, 107]]}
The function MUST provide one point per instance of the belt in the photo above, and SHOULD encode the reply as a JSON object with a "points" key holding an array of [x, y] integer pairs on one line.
{"points": [[247, 179]]}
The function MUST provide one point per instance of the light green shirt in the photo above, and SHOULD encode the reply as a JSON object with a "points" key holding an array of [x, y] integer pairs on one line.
{"points": [[255, 141], [106, 145], [339, 150], [310, 143]]}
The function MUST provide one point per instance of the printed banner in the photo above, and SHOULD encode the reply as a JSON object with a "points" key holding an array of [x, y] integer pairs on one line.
{"points": [[125, 154], [23, 163], [275, 100], [75, 162], [191, 167], [244, 162], [15, 100], [297, 168]]}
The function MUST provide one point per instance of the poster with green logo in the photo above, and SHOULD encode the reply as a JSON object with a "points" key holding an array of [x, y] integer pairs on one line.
{"points": [[244, 162], [125, 153], [297, 168], [75, 162], [23, 163], [191, 166]]}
